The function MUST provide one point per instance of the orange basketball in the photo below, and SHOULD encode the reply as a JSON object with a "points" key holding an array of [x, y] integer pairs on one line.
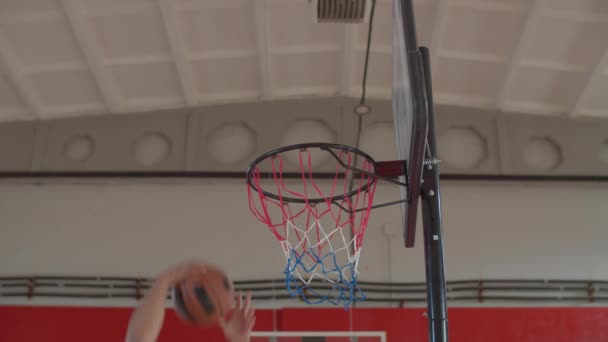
{"points": [[204, 297]]}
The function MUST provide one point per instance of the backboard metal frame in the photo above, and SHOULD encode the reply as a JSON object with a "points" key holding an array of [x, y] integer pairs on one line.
{"points": [[410, 112]]}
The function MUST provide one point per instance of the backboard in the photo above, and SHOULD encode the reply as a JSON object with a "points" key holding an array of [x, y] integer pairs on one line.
{"points": [[409, 112]]}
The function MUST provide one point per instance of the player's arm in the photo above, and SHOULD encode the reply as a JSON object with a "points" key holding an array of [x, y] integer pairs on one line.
{"points": [[147, 320]]}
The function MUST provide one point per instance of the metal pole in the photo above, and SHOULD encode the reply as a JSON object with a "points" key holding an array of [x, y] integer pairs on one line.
{"points": [[431, 219], [420, 80]]}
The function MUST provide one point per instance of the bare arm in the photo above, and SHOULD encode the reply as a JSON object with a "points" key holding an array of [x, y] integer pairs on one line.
{"points": [[147, 320]]}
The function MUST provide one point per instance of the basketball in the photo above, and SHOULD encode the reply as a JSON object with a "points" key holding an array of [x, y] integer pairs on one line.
{"points": [[203, 297]]}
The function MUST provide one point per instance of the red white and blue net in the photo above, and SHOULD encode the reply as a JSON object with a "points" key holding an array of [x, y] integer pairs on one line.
{"points": [[319, 219]]}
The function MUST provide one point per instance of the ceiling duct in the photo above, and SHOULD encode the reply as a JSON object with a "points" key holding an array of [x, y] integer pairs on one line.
{"points": [[341, 11]]}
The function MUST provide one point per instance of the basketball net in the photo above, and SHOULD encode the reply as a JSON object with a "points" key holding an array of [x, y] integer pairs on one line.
{"points": [[319, 221]]}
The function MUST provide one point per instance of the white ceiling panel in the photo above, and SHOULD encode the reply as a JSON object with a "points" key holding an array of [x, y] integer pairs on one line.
{"points": [[567, 42], [227, 78], [148, 81], [133, 34], [200, 28], [380, 70], [292, 25], [66, 88], [463, 77], [306, 71], [544, 90], [467, 31], [42, 41]]}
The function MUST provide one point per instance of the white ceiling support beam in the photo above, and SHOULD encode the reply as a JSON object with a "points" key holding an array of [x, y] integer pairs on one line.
{"points": [[348, 54], [592, 75], [178, 48], [439, 23], [92, 54], [9, 63], [263, 47], [515, 60]]}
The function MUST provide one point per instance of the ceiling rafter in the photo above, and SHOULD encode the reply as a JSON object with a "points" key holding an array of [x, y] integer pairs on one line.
{"points": [[92, 54], [263, 47], [532, 13], [177, 47]]}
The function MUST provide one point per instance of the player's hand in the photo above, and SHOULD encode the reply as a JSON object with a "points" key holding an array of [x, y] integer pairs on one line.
{"points": [[182, 270], [238, 327]]}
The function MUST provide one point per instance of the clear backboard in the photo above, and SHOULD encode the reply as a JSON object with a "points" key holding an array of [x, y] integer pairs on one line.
{"points": [[409, 113]]}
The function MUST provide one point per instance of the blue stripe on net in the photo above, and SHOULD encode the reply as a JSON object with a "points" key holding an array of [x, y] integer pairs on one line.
{"points": [[344, 288]]}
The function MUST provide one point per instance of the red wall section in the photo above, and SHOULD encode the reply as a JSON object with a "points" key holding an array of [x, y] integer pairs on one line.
{"points": [[29, 323], [33, 324], [529, 324]]}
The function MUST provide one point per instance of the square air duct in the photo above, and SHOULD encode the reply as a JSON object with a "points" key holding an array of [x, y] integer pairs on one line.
{"points": [[341, 11]]}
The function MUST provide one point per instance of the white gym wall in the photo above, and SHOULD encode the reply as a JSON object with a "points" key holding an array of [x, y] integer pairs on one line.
{"points": [[120, 228]]}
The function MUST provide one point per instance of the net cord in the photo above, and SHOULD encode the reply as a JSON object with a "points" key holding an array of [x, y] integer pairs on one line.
{"points": [[314, 254]]}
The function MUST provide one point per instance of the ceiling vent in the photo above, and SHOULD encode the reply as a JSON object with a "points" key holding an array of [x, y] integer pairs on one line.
{"points": [[341, 11]]}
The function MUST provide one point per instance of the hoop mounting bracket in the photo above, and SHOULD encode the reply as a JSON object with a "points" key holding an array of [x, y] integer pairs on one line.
{"points": [[391, 169]]}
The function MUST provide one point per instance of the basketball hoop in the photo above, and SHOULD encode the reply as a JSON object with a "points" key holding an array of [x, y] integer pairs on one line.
{"points": [[318, 218]]}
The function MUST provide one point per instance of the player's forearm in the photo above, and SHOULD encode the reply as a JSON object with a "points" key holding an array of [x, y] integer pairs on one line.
{"points": [[147, 320]]}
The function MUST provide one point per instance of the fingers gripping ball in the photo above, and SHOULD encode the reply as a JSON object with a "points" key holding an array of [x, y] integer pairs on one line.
{"points": [[204, 297]]}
